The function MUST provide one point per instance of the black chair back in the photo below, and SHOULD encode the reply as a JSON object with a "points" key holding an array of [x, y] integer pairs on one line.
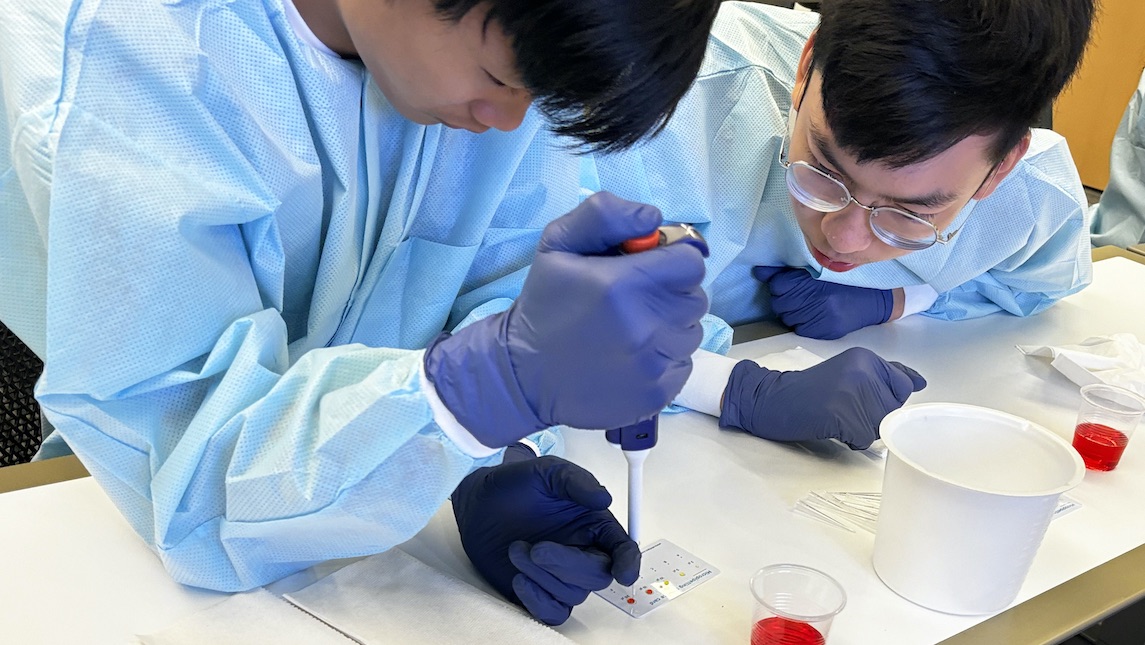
{"points": [[20, 433]]}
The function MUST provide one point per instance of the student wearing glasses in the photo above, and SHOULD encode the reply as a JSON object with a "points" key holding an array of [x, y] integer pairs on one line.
{"points": [[874, 164], [853, 169]]}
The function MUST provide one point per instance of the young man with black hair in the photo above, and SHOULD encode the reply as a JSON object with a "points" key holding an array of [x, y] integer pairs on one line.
{"points": [[231, 230], [872, 163]]}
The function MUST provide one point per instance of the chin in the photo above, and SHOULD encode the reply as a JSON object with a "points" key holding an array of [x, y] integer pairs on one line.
{"points": [[420, 118]]}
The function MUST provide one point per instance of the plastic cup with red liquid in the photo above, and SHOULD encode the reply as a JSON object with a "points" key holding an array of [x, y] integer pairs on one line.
{"points": [[794, 605], [1107, 418]]}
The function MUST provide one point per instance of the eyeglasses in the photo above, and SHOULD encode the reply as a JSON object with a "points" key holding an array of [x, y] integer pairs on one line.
{"points": [[821, 192]]}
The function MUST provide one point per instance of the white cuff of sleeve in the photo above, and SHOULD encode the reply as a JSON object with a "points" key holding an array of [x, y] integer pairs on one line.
{"points": [[916, 298], [531, 445], [448, 423], [705, 386]]}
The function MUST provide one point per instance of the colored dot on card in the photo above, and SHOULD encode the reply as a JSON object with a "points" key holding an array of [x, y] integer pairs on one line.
{"points": [[648, 591], [632, 601]]}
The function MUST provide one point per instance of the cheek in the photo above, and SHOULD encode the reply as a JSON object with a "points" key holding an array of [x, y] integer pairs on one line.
{"points": [[810, 221], [880, 251]]}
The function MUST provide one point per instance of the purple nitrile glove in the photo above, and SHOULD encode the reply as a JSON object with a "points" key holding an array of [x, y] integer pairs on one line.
{"points": [[844, 397], [538, 529], [820, 309], [594, 341]]}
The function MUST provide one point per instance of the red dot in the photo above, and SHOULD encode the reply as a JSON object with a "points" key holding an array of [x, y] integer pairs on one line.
{"points": [[632, 601], [648, 591]]}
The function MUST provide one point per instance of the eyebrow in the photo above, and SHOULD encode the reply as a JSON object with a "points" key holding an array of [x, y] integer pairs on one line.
{"points": [[933, 199]]}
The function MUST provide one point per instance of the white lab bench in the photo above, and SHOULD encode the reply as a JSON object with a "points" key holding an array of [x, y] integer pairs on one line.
{"points": [[74, 572]]}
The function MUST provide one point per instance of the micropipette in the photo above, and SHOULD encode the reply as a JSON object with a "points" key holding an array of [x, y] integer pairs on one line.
{"points": [[637, 439]]}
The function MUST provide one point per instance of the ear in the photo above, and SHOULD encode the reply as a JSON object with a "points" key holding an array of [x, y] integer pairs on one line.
{"points": [[803, 72], [1008, 163]]}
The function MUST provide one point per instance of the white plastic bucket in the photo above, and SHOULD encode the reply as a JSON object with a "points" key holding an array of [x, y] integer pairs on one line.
{"points": [[967, 495]]}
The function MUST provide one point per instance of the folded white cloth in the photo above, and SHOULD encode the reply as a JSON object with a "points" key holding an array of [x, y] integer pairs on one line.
{"points": [[1117, 359], [253, 618], [395, 598]]}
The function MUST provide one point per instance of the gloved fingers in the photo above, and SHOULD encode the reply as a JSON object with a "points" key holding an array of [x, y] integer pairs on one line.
{"points": [[675, 269], [789, 281], [539, 602], [903, 381], [599, 225], [626, 561], [861, 438], [587, 569], [917, 380], [891, 387], [676, 308], [764, 274], [795, 312], [675, 345], [810, 319], [521, 555], [663, 378], [569, 481], [611, 538]]}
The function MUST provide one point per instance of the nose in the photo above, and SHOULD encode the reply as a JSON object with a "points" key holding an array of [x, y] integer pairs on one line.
{"points": [[848, 230], [505, 112]]}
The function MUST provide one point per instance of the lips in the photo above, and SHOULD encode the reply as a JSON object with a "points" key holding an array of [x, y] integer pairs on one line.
{"points": [[828, 263]]}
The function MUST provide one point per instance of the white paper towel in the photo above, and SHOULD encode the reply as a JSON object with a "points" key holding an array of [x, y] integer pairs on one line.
{"points": [[386, 599], [253, 618], [395, 598], [1117, 359]]}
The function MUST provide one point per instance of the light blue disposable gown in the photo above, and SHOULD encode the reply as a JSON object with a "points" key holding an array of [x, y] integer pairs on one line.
{"points": [[230, 250], [1119, 218], [717, 165], [248, 247]]}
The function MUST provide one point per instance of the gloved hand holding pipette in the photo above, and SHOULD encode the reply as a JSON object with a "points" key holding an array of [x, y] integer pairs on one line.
{"points": [[595, 340]]}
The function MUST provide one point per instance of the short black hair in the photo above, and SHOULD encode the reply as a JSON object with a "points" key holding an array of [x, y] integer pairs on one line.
{"points": [[904, 80], [606, 72]]}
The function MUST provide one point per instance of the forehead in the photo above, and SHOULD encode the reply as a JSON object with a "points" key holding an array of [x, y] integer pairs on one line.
{"points": [[944, 175]]}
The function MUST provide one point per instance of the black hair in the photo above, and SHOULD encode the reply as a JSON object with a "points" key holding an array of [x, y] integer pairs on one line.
{"points": [[904, 80], [605, 72]]}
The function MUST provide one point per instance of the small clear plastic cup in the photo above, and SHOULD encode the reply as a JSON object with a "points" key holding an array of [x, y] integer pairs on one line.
{"points": [[1106, 419], [794, 605]]}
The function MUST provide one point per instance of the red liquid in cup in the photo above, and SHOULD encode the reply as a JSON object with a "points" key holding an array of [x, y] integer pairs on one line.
{"points": [[1099, 445], [781, 631]]}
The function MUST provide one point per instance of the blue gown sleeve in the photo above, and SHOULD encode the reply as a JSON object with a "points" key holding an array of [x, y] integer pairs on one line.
{"points": [[171, 340], [1055, 270], [1119, 218], [1037, 223]]}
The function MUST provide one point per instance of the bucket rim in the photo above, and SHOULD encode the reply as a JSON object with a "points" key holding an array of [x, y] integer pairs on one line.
{"points": [[920, 408]]}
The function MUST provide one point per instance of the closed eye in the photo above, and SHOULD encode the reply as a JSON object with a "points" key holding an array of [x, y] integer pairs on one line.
{"points": [[493, 78]]}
